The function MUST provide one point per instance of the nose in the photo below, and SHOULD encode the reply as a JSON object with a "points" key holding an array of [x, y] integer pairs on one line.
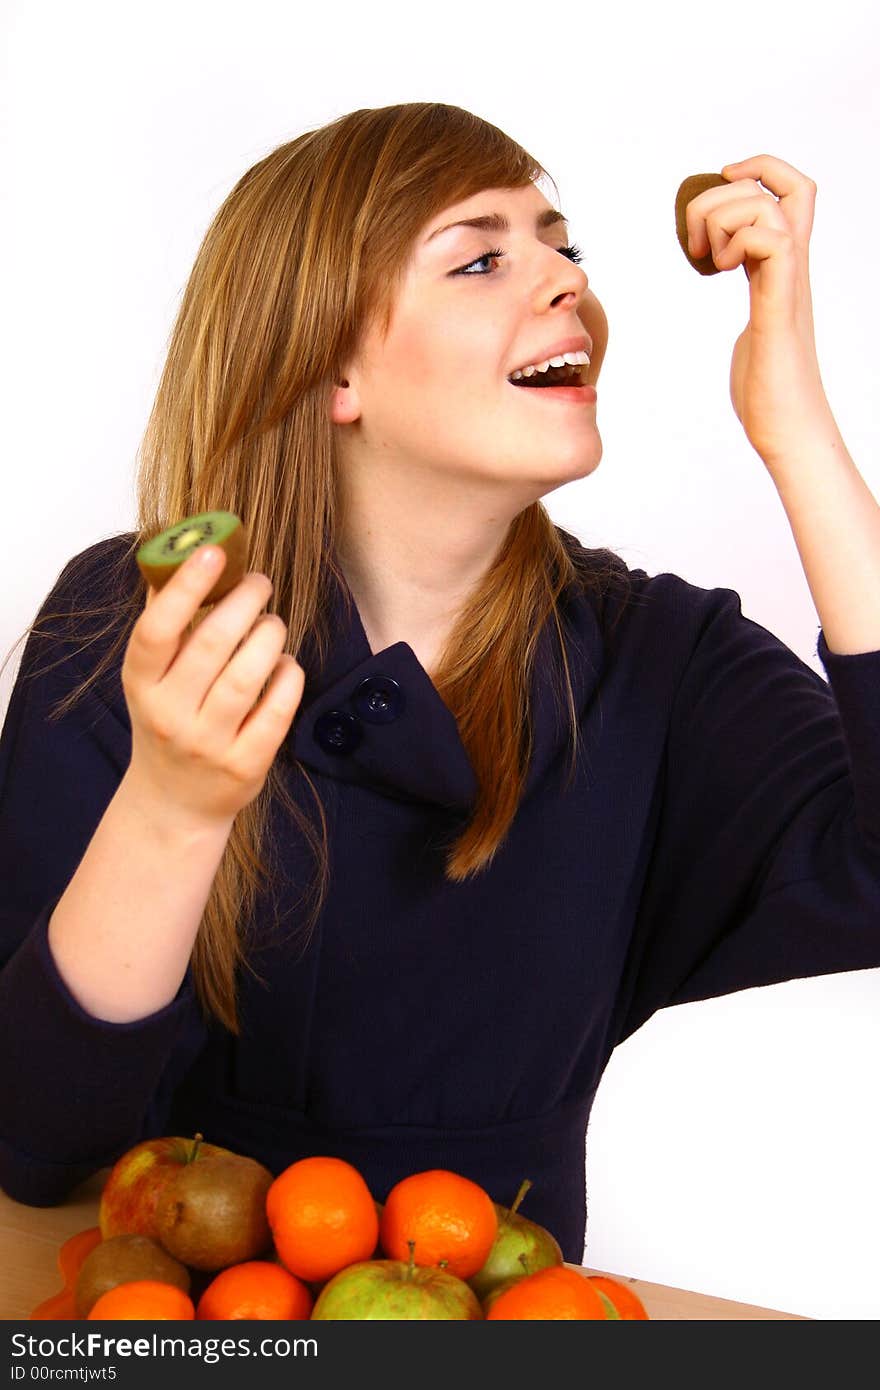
{"points": [[562, 281]]}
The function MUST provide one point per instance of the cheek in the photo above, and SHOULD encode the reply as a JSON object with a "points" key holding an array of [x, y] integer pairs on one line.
{"points": [[423, 390], [443, 353], [414, 359]]}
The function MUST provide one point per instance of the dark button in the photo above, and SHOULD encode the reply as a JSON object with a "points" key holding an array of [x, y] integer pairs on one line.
{"points": [[379, 700], [338, 732]]}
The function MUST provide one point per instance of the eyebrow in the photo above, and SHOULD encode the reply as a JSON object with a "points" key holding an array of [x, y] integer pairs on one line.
{"points": [[496, 222]]}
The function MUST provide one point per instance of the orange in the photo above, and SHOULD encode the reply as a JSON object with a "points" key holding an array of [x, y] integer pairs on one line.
{"points": [[61, 1306], [254, 1289], [628, 1304], [554, 1293], [143, 1298], [450, 1218], [322, 1217], [74, 1251]]}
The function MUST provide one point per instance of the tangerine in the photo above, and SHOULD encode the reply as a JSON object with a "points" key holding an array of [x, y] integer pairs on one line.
{"points": [[553, 1293], [628, 1304], [322, 1216], [73, 1252], [255, 1289], [62, 1305], [143, 1298], [450, 1218]]}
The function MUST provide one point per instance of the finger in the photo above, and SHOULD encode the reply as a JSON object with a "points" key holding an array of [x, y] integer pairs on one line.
{"points": [[233, 693], [723, 222], [796, 192], [777, 176], [207, 650], [716, 201], [156, 636], [773, 252], [268, 723]]}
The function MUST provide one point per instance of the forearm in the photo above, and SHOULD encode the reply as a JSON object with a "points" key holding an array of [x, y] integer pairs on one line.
{"points": [[835, 520], [122, 933]]}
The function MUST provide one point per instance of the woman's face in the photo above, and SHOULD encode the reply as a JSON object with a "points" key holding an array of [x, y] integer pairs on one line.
{"points": [[434, 393]]}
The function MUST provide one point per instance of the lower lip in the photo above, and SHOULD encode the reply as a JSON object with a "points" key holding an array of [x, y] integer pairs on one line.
{"points": [[579, 395]]}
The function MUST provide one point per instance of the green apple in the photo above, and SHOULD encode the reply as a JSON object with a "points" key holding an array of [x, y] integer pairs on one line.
{"points": [[521, 1247], [392, 1290]]}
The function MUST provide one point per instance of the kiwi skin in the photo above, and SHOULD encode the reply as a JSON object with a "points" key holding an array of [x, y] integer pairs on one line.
{"points": [[120, 1259], [212, 1213], [235, 547], [692, 186]]}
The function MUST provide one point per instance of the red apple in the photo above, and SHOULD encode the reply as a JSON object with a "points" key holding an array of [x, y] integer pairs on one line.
{"points": [[130, 1195]]}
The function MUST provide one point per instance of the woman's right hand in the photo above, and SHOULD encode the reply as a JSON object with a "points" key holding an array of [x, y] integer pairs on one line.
{"points": [[202, 744]]}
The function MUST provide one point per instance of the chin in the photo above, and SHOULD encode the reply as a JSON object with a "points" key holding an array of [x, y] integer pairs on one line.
{"points": [[551, 480], [579, 462]]}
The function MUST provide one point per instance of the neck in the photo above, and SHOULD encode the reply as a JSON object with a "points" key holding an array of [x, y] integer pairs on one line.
{"points": [[411, 563]]}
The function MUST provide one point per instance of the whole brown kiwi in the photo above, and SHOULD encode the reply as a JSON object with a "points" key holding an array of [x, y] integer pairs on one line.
{"points": [[120, 1260], [692, 186], [213, 1212]]}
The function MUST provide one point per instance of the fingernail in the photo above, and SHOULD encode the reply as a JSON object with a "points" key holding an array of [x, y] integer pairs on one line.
{"points": [[208, 555]]}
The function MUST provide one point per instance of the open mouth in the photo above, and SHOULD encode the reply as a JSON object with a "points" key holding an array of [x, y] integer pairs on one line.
{"points": [[567, 375]]}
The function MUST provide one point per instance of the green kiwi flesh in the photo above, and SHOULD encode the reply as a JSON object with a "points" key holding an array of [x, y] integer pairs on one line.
{"points": [[160, 558], [692, 186]]}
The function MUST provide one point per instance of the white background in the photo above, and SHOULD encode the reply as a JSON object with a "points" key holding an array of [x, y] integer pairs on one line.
{"points": [[733, 1145]]}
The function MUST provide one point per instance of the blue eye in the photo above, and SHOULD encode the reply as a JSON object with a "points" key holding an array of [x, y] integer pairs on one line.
{"points": [[573, 252], [487, 256]]}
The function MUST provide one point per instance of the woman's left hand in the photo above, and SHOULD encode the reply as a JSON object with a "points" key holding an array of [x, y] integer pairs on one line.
{"points": [[775, 384]]}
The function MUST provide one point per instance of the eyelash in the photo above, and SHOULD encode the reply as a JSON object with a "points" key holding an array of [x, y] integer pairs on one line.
{"points": [[573, 252]]}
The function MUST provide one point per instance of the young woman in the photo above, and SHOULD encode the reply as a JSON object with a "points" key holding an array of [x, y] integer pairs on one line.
{"points": [[388, 871]]}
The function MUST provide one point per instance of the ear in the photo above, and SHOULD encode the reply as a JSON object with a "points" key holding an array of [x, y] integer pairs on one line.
{"points": [[344, 406]]}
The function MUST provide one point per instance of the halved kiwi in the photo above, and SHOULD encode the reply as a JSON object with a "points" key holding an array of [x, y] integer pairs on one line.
{"points": [[158, 559], [692, 186]]}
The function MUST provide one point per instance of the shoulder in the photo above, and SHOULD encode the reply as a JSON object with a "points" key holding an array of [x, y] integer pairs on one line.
{"points": [[103, 572], [88, 612], [633, 605]]}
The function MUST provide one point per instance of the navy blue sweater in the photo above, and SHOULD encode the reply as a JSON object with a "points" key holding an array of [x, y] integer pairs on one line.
{"points": [[722, 831]]}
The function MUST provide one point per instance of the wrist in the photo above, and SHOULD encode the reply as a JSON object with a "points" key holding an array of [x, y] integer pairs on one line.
{"points": [[159, 816]]}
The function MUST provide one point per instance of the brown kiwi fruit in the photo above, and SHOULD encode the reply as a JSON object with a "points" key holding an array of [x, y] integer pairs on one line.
{"points": [[160, 558], [692, 186], [121, 1259], [213, 1213]]}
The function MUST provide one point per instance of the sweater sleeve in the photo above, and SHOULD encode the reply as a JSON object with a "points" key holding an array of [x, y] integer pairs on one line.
{"points": [[74, 1089], [766, 862]]}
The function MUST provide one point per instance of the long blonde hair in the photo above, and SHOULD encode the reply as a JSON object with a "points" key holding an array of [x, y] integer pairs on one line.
{"points": [[307, 248]]}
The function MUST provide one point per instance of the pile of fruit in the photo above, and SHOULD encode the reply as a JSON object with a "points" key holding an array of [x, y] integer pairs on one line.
{"points": [[191, 1230]]}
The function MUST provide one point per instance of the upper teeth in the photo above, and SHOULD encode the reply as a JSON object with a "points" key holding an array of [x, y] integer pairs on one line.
{"points": [[574, 359]]}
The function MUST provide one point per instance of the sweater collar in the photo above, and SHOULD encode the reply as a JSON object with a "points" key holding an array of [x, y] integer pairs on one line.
{"points": [[376, 719]]}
